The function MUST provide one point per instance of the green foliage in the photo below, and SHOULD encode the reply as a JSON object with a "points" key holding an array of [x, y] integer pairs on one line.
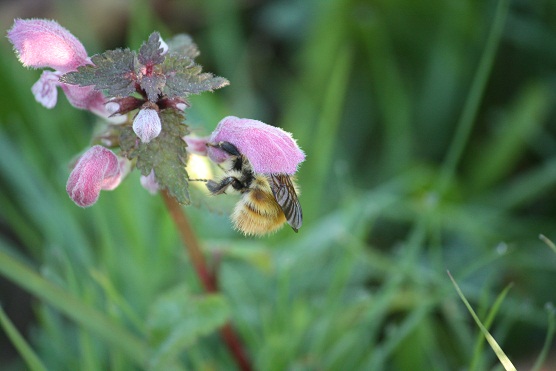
{"points": [[117, 72], [150, 52], [112, 71], [184, 78], [166, 154], [431, 146], [178, 320]]}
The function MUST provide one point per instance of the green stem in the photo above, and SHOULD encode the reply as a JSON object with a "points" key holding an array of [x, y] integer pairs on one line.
{"points": [[206, 276]]}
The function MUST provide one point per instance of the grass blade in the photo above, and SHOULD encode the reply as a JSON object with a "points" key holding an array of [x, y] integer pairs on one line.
{"points": [[465, 124], [488, 322], [26, 352], [75, 309], [548, 340], [548, 242], [504, 360]]}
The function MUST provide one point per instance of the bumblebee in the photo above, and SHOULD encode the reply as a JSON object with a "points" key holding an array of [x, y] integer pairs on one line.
{"points": [[267, 200]]}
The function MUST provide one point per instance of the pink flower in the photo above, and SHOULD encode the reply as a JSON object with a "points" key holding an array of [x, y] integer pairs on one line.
{"points": [[41, 43], [269, 149], [196, 145], [98, 169], [149, 183], [147, 124]]}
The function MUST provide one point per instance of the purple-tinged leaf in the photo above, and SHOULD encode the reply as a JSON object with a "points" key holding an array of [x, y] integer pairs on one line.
{"points": [[183, 46], [153, 85], [150, 53], [113, 72], [183, 79]]}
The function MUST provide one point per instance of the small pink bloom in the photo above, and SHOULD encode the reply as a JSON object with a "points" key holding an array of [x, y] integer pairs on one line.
{"points": [[41, 43], [98, 169], [86, 98], [196, 145], [149, 183], [147, 124], [45, 91], [269, 149]]}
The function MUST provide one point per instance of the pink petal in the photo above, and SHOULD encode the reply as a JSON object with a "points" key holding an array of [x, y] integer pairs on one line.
{"points": [[196, 145], [86, 98], [269, 149], [42, 43], [149, 183], [147, 125], [97, 169], [110, 183], [45, 89]]}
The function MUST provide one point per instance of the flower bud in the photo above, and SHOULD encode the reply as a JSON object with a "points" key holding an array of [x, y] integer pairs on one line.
{"points": [[147, 124], [269, 149], [149, 183], [97, 169]]}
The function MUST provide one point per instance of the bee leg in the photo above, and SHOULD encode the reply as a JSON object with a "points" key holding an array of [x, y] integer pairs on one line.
{"points": [[217, 188], [226, 147]]}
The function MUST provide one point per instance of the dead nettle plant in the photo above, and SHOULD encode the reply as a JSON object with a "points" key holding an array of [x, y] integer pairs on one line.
{"points": [[142, 96]]}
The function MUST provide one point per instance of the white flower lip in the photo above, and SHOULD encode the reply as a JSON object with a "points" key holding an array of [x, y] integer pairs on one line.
{"points": [[147, 125]]}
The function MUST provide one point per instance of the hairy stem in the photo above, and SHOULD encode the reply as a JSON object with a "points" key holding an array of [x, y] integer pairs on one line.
{"points": [[206, 276]]}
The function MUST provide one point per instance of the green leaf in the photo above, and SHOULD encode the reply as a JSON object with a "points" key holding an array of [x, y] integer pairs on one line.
{"points": [[178, 319], [113, 71], [165, 154], [183, 46], [184, 78], [153, 85], [150, 52]]}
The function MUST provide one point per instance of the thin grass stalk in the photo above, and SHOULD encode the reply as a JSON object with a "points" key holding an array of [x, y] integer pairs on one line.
{"points": [[207, 277], [75, 309], [31, 359], [471, 107], [502, 357], [548, 340]]}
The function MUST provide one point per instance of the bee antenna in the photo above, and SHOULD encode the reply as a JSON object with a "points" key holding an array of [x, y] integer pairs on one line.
{"points": [[198, 180]]}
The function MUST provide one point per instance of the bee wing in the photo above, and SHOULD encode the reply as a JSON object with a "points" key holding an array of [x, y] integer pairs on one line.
{"points": [[284, 193]]}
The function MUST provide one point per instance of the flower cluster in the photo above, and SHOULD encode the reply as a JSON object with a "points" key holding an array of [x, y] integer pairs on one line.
{"points": [[41, 43], [142, 96]]}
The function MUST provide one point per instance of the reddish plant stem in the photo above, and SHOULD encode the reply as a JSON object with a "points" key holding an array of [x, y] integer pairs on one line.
{"points": [[206, 276]]}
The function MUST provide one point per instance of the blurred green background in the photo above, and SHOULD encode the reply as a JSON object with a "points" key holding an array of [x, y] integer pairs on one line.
{"points": [[430, 133]]}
